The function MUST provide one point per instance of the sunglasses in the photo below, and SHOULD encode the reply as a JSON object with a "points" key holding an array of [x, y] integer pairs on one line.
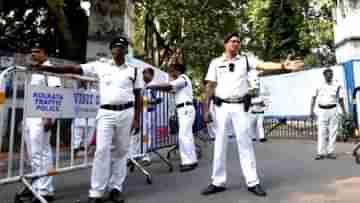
{"points": [[235, 41]]}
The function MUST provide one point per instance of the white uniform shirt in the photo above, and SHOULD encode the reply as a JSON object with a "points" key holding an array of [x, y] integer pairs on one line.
{"points": [[51, 81], [116, 83], [183, 89], [230, 85], [329, 94]]}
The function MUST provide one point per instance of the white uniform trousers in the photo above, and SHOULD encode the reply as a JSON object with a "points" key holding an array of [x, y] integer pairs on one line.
{"points": [[148, 131], [112, 145], [81, 134], [211, 127], [186, 117], [40, 154], [233, 113], [327, 130], [257, 125]]}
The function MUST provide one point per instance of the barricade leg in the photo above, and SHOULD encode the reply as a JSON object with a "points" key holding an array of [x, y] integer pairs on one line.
{"points": [[134, 163], [27, 194], [172, 150], [135, 154], [167, 161]]}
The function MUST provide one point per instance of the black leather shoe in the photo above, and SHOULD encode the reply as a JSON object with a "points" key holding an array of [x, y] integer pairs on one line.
{"points": [[48, 198], [95, 200], [319, 157], [188, 167], [212, 189], [331, 156], [116, 196], [254, 139], [263, 140], [257, 190]]}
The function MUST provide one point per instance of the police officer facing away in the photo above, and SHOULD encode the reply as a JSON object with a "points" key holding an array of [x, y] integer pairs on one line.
{"points": [[185, 112], [329, 94], [227, 81], [37, 131], [119, 89]]}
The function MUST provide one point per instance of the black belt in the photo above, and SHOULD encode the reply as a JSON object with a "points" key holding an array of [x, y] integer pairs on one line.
{"points": [[257, 112], [231, 101], [183, 104], [331, 106], [117, 107]]}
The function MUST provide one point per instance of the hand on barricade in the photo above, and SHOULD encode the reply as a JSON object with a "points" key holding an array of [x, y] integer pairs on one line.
{"points": [[48, 124]]}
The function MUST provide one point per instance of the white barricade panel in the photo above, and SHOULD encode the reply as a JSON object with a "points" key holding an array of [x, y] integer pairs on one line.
{"points": [[50, 102]]}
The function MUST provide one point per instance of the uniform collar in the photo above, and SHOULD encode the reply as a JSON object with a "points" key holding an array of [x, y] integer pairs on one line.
{"points": [[223, 57], [123, 66]]}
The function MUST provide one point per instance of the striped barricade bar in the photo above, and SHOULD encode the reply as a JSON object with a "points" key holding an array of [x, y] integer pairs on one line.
{"points": [[21, 104]]}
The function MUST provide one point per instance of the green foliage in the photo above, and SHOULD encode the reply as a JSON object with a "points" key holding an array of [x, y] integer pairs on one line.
{"points": [[271, 29], [23, 21]]}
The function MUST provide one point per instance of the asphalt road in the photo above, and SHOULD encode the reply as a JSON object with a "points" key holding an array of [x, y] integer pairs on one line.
{"points": [[286, 167]]}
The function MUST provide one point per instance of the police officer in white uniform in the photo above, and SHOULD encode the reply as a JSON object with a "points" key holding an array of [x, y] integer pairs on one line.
{"points": [[119, 89], [185, 112], [38, 129], [328, 95], [257, 110], [227, 81]]}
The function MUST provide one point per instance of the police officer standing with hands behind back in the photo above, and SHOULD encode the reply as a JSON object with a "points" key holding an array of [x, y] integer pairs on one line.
{"points": [[119, 89], [227, 81]]}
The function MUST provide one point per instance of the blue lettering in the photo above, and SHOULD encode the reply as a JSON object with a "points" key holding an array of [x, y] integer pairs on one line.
{"points": [[80, 98]]}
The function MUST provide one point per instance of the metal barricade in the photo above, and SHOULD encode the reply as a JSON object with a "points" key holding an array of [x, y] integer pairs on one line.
{"points": [[15, 163], [156, 133], [294, 127], [159, 128]]}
